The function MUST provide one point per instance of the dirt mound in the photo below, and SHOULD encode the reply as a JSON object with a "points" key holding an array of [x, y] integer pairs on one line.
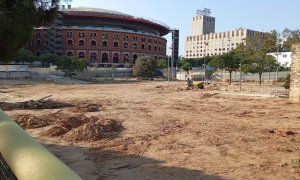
{"points": [[95, 130], [29, 121], [32, 104], [87, 108], [282, 132], [65, 124]]}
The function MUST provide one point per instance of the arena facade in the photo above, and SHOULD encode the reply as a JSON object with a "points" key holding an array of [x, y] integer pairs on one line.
{"points": [[104, 37]]}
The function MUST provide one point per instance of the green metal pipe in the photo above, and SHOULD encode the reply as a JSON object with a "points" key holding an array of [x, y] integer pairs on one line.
{"points": [[27, 158]]}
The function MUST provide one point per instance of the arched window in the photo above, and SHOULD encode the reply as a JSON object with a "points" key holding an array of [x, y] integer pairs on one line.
{"points": [[70, 42], [93, 43], [104, 44], [105, 58], [135, 46], [116, 58], [69, 54], [134, 58], [126, 58], [38, 42], [81, 55], [81, 43], [150, 47], [116, 44], [93, 58], [125, 45], [143, 46], [155, 48]]}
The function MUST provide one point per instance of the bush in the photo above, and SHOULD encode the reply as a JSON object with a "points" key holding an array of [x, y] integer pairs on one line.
{"points": [[286, 85], [70, 65], [145, 67]]}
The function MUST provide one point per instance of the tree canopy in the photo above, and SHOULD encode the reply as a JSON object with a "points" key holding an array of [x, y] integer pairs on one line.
{"points": [[71, 65], [145, 67], [17, 21]]}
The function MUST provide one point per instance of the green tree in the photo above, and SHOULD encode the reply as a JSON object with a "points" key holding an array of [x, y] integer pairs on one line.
{"points": [[24, 55], [229, 62], [186, 66], [48, 58], [255, 54], [71, 65], [145, 67], [292, 37], [17, 21], [162, 63]]}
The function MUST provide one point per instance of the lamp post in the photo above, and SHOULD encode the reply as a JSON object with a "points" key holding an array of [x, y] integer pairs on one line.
{"points": [[277, 59], [241, 56], [206, 44]]}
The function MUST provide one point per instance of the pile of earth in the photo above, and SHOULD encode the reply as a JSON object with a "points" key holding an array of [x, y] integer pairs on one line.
{"points": [[72, 127]]}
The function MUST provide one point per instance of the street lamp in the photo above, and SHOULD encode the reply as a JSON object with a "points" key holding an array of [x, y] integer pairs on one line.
{"points": [[241, 56], [278, 41], [206, 44]]}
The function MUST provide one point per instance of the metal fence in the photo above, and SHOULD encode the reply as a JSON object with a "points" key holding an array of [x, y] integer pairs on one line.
{"points": [[5, 172]]}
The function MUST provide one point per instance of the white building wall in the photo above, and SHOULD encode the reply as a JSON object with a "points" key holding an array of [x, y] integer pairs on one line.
{"points": [[284, 58]]}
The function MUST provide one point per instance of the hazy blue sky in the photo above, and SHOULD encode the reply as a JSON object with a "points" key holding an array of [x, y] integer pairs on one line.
{"points": [[260, 15]]}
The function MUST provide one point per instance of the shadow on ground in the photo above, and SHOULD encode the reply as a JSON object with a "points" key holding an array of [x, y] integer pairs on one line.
{"points": [[93, 163]]}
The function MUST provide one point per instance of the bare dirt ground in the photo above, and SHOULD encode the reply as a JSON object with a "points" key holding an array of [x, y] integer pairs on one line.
{"points": [[149, 130]]}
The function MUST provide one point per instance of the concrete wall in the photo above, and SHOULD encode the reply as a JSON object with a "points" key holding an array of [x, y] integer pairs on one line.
{"points": [[295, 74], [14, 71]]}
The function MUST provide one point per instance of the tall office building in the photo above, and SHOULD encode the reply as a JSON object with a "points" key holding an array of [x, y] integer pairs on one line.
{"points": [[205, 42]]}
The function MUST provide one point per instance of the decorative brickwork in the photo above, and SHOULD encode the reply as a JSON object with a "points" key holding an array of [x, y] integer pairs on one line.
{"points": [[295, 74]]}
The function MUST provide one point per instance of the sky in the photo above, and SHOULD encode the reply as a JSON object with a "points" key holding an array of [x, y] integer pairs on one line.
{"points": [[259, 15]]}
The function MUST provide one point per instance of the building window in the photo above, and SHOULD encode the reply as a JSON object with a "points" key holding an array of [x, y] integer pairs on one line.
{"points": [[69, 54], [81, 55], [93, 58], [93, 43], [116, 58], [135, 38], [70, 42], [38, 42], [149, 40], [135, 46], [104, 36], [150, 47], [104, 44], [143, 39], [93, 35], [284, 55], [81, 43], [116, 44], [105, 58], [143, 46], [37, 34], [126, 37], [69, 34], [125, 45], [126, 58], [155, 48], [116, 36], [81, 34], [38, 54], [134, 58]]}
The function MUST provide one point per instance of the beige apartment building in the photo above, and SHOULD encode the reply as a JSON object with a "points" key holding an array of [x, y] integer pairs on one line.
{"points": [[205, 42]]}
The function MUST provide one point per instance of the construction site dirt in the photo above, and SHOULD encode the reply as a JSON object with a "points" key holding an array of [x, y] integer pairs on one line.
{"points": [[158, 130]]}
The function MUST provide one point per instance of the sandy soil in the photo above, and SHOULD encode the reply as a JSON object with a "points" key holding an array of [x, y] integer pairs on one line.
{"points": [[167, 132]]}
